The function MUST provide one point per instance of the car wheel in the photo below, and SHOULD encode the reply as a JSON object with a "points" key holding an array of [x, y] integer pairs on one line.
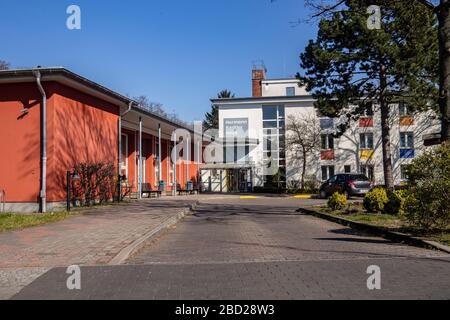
{"points": [[323, 195]]}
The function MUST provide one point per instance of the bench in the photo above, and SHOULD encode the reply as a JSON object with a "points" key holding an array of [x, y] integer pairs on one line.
{"points": [[147, 190], [186, 191]]}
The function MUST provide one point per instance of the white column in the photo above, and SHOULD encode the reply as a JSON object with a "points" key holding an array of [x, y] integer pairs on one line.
{"points": [[175, 166], [198, 163], [140, 160], [188, 157], [159, 155]]}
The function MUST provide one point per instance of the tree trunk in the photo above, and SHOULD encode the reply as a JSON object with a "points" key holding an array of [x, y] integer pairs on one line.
{"points": [[385, 131], [304, 169], [444, 67]]}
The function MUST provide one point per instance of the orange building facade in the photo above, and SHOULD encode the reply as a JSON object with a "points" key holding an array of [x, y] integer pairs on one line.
{"points": [[83, 124]]}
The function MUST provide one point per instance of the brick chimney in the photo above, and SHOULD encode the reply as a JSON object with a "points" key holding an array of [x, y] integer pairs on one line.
{"points": [[258, 75]]}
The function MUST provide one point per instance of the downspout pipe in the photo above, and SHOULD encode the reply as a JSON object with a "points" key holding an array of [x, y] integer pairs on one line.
{"points": [[43, 192]]}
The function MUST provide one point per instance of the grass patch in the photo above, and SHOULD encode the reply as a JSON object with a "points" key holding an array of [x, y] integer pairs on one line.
{"points": [[356, 213], [10, 221]]}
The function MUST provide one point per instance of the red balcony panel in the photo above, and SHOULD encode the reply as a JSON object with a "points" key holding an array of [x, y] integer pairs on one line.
{"points": [[406, 121], [327, 155], [365, 122]]}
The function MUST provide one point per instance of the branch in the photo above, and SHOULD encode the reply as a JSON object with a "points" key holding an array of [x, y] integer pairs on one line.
{"points": [[324, 10]]}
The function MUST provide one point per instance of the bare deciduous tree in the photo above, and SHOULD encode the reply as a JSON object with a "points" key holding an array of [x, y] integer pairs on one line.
{"points": [[4, 65], [157, 108], [303, 139]]}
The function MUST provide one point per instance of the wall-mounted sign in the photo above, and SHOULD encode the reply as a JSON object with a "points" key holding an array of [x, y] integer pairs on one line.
{"points": [[236, 128]]}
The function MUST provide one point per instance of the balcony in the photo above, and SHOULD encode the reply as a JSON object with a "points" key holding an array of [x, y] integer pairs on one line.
{"points": [[407, 153], [327, 155], [366, 122], [367, 154], [326, 123], [406, 121]]}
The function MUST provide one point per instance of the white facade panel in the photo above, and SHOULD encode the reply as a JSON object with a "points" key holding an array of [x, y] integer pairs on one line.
{"points": [[347, 148]]}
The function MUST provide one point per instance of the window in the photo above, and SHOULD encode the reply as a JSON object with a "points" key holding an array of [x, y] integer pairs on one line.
{"points": [[327, 172], [368, 171], [170, 165], [124, 156], [368, 111], [406, 140], [270, 112], [270, 124], [404, 172], [290, 91], [274, 134], [366, 141], [327, 142], [404, 110], [281, 112], [326, 123], [348, 169]]}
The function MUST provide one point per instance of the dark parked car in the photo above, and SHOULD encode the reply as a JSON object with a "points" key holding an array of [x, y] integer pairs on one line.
{"points": [[347, 183]]}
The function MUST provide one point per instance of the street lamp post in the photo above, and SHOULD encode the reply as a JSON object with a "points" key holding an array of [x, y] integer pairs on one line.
{"points": [[70, 177]]}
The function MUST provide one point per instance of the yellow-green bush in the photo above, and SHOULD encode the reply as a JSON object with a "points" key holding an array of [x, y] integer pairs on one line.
{"points": [[396, 203], [376, 200], [337, 201]]}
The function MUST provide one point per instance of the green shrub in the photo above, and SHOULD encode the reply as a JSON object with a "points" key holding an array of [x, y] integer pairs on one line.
{"points": [[376, 200], [396, 202], [429, 180], [337, 201]]}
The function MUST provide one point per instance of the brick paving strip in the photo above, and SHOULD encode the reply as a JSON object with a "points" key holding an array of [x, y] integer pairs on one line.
{"points": [[100, 236]]}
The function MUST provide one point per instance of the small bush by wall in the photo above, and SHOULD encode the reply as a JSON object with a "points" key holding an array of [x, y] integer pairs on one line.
{"points": [[97, 184]]}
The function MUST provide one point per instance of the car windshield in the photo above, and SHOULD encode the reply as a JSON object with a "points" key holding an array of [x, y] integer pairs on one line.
{"points": [[358, 177]]}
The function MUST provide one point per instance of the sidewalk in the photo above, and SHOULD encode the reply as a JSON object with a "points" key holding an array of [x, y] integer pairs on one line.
{"points": [[95, 237]]}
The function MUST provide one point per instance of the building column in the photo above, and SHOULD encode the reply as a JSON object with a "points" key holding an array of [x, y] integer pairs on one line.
{"points": [[140, 160], [159, 155], [174, 188], [188, 158]]}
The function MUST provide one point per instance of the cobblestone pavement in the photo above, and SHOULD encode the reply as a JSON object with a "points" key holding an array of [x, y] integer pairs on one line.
{"points": [[258, 249], [92, 238], [264, 230], [341, 279]]}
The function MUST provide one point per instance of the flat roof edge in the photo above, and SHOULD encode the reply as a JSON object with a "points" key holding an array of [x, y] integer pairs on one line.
{"points": [[49, 74], [231, 101]]}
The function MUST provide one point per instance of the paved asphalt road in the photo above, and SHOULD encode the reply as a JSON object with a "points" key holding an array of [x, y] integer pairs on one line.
{"points": [[258, 249]]}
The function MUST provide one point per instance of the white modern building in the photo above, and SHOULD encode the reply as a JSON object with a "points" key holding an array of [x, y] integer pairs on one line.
{"points": [[261, 120]]}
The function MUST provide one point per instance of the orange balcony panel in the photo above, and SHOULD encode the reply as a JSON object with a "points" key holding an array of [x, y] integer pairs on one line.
{"points": [[365, 122], [367, 154], [406, 121], [327, 155]]}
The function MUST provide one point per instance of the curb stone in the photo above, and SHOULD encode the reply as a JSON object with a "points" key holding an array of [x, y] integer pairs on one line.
{"points": [[390, 235], [126, 252]]}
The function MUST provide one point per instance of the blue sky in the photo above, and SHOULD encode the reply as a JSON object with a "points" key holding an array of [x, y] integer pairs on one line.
{"points": [[180, 53]]}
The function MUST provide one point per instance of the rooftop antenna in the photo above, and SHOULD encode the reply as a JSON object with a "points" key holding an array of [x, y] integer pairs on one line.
{"points": [[259, 65]]}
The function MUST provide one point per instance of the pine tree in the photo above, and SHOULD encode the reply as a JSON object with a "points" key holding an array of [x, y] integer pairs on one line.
{"points": [[350, 67], [212, 118]]}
